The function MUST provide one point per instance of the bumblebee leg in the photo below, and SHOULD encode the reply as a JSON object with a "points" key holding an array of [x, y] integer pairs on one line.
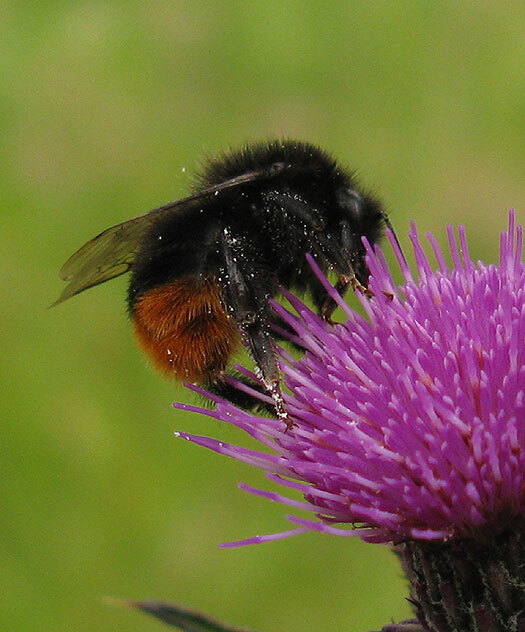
{"points": [[346, 273], [323, 302], [250, 310], [329, 306], [283, 331], [232, 393], [345, 281]]}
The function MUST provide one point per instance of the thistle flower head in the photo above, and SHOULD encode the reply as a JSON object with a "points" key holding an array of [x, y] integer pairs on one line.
{"points": [[410, 422]]}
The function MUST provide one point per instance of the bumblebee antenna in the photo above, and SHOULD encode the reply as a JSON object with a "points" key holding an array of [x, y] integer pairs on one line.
{"points": [[388, 223]]}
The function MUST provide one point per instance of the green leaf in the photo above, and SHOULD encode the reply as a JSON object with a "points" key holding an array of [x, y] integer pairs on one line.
{"points": [[182, 618]]}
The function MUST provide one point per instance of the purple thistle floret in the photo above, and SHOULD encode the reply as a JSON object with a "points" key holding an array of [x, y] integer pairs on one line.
{"points": [[410, 423]]}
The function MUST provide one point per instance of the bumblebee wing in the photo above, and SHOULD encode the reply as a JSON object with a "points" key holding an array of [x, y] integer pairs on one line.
{"points": [[111, 253], [104, 257]]}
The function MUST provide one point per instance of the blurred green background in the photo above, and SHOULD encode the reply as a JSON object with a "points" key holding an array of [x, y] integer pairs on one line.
{"points": [[106, 110]]}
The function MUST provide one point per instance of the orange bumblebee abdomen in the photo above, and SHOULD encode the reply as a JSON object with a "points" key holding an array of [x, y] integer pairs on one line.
{"points": [[184, 328]]}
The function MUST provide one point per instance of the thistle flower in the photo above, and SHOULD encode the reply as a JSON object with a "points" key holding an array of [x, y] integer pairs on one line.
{"points": [[409, 422], [410, 429]]}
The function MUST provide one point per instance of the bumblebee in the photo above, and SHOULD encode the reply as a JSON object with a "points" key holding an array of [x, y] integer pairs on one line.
{"points": [[204, 267]]}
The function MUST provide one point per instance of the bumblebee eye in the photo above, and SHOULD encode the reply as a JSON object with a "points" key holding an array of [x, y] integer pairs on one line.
{"points": [[350, 200]]}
